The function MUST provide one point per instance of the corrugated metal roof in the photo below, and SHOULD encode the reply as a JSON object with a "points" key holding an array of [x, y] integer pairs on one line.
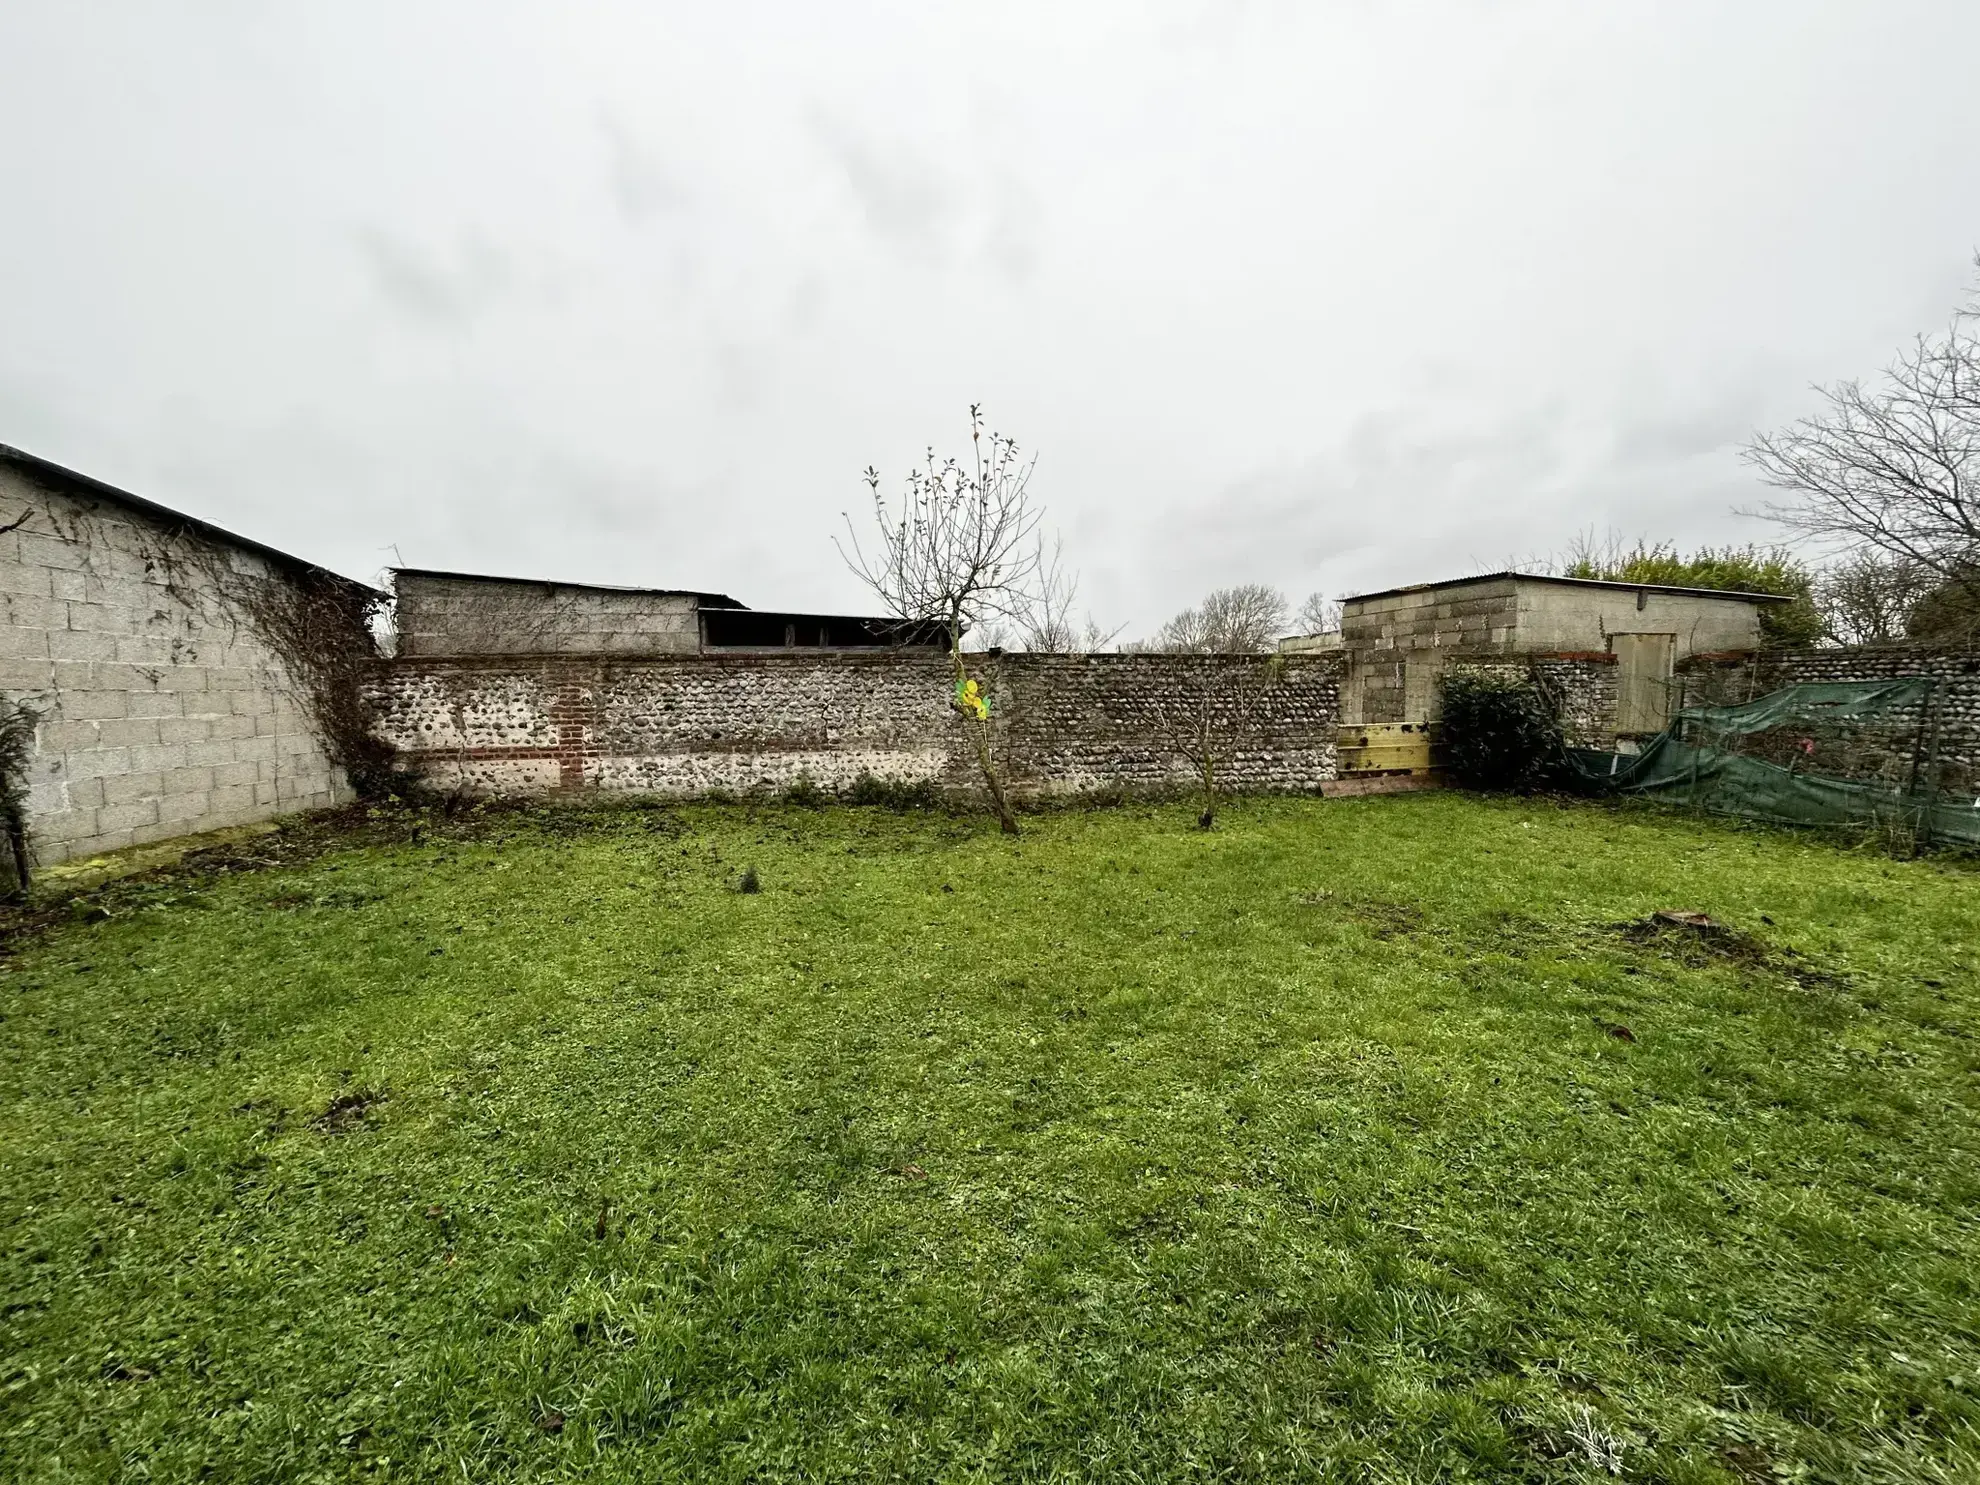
{"points": [[707, 600], [1542, 577]]}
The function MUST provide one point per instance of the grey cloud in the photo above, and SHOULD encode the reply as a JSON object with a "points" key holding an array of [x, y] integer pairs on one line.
{"points": [[1317, 295], [1010, 236], [903, 197], [428, 292], [643, 186], [1682, 435], [1400, 500]]}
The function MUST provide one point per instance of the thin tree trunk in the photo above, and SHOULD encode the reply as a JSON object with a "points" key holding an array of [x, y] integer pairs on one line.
{"points": [[979, 733], [17, 844], [1006, 821]]}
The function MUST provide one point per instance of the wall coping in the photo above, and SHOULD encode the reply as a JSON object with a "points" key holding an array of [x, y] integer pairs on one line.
{"points": [[758, 659]]}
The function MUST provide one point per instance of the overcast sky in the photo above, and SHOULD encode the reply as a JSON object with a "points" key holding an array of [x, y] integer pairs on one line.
{"points": [[1326, 295]]}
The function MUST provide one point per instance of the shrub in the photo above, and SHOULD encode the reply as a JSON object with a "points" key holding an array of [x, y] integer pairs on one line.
{"points": [[893, 794], [804, 792], [1499, 732]]}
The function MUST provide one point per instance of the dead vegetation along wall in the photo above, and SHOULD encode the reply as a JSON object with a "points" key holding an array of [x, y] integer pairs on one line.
{"points": [[1063, 723], [1707, 680]]}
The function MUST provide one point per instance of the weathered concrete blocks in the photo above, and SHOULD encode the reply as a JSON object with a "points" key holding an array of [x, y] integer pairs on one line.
{"points": [[146, 689]]}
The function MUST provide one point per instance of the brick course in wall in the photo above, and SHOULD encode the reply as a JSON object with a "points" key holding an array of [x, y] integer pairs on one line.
{"points": [[161, 713], [1063, 723]]}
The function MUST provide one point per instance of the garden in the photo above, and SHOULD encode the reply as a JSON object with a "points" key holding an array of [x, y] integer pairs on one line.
{"points": [[1425, 1137]]}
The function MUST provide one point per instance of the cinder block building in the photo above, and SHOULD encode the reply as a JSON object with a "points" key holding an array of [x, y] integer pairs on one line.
{"points": [[171, 664], [1613, 647], [465, 614]]}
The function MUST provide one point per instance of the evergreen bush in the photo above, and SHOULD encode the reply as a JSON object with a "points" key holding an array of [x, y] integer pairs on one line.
{"points": [[1499, 732]]}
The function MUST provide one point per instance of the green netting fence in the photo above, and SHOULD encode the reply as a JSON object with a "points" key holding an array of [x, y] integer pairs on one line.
{"points": [[1847, 753]]}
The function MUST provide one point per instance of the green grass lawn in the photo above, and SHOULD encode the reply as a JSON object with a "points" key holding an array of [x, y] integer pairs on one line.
{"points": [[1353, 1141]]}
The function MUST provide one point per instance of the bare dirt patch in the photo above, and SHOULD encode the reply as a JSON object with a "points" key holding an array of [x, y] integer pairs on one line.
{"points": [[1697, 941], [349, 1111], [1385, 919]]}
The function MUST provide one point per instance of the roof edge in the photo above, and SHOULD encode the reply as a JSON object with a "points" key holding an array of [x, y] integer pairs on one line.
{"points": [[715, 600], [47, 469], [1571, 582]]}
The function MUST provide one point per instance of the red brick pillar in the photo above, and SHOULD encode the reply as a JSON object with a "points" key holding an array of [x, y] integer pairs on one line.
{"points": [[570, 714]]}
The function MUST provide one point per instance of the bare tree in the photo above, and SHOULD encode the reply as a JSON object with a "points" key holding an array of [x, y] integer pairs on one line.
{"points": [[1094, 638], [1232, 621], [1893, 467], [1182, 635], [1319, 614], [1206, 714], [1043, 615], [1868, 598], [958, 549]]}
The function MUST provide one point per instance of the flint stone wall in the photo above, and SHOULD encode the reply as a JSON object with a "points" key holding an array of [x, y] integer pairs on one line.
{"points": [[1584, 685], [1953, 715], [1063, 724]]}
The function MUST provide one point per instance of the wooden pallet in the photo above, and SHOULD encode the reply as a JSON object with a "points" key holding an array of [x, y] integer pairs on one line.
{"points": [[1404, 749]]}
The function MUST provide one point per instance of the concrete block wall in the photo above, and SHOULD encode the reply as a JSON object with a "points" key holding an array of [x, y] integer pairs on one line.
{"points": [[442, 615], [1064, 723], [161, 716], [1474, 617], [1398, 644], [1570, 616]]}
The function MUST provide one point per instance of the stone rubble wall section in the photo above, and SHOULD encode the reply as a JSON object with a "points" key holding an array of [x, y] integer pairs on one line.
{"points": [[1714, 681], [1587, 689], [161, 715], [1064, 724]]}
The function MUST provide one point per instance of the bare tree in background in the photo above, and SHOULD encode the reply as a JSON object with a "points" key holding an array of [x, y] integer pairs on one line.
{"points": [[1244, 620], [959, 549], [1043, 617], [1893, 467], [1206, 714], [1318, 615], [1868, 598]]}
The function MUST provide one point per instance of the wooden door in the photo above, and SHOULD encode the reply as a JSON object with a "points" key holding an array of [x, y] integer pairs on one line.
{"points": [[1644, 664]]}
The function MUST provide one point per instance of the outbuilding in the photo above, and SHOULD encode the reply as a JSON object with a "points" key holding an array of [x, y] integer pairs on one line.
{"points": [[1397, 642], [464, 614]]}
